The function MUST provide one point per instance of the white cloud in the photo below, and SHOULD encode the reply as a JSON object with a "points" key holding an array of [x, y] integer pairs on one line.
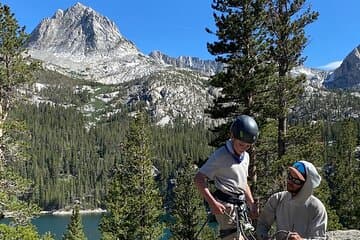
{"points": [[331, 66]]}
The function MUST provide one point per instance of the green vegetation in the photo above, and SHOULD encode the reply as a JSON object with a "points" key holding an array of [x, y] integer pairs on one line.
{"points": [[188, 220], [134, 208], [21, 232], [70, 162], [286, 27], [75, 229], [61, 134], [15, 69]]}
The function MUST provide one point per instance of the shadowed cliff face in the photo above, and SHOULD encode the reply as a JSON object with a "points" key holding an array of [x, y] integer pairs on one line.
{"points": [[348, 74]]}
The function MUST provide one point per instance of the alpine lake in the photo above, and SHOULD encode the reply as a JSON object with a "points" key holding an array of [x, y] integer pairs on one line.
{"points": [[57, 225]]}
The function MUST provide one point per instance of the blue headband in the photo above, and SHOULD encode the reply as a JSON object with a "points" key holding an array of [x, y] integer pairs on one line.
{"points": [[300, 167]]}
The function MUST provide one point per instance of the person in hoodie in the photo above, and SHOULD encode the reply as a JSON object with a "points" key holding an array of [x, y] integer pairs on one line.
{"points": [[297, 212], [227, 167]]}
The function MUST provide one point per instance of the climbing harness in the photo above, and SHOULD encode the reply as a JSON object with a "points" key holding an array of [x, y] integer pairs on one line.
{"points": [[243, 223], [244, 226]]}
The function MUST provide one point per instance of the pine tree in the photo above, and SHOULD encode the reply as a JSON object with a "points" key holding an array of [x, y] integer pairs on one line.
{"points": [[75, 229], [133, 202], [14, 70], [243, 48], [286, 25], [343, 174], [188, 209]]}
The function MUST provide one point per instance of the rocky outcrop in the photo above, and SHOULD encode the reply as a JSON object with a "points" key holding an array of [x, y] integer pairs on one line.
{"points": [[344, 235]]}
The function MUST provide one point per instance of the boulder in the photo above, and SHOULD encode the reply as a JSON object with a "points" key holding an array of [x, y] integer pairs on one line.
{"points": [[344, 235]]}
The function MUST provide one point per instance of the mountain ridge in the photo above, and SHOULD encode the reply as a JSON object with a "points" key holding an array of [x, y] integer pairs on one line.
{"points": [[80, 43], [206, 67]]}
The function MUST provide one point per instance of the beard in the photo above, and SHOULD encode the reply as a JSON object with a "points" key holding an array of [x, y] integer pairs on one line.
{"points": [[292, 190]]}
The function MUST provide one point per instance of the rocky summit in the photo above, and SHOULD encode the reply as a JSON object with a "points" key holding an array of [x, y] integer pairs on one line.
{"points": [[79, 42], [347, 76]]}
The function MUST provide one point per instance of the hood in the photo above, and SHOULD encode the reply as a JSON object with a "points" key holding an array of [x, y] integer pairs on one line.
{"points": [[313, 180]]}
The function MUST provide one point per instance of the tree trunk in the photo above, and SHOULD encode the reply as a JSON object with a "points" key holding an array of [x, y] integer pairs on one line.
{"points": [[1, 143], [281, 136], [252, 168]]}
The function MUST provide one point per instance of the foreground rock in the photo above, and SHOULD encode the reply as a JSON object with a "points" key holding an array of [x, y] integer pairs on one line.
{"points": [[344, 235]]}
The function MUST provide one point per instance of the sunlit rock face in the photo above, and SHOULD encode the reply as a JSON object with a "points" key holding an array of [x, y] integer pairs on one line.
{"points": [[206, 67], [344, 235], [80, 42]]}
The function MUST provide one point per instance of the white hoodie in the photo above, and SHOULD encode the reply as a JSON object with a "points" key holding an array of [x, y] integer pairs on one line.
{"points": [[303, 213]]}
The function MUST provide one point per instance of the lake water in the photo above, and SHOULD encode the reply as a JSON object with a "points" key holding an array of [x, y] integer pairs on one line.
{"points": [[57, 225]]}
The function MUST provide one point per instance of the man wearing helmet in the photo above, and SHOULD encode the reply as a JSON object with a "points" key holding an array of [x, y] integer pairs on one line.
{"points": [[228, 168], [298, 214]]}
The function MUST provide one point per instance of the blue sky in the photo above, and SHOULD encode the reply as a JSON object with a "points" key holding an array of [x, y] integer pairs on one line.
{"points": [[177, 28]]}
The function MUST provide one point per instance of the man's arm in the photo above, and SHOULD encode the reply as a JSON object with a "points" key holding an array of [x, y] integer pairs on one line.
{"points": [[318, 225], [201, 184], [266, 218], [254, 210]]}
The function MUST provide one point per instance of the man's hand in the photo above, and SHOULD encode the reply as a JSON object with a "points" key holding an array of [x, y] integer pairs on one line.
{"points": [[294, 236], [217, 208], [254, 210]]}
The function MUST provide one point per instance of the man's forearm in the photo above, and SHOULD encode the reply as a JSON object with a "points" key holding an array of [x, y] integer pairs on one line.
{"points": [[249, 196], [201, 185]]}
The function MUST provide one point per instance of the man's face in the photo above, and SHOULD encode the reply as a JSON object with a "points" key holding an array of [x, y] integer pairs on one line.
{"points": [[240, 146], [293, 184]]}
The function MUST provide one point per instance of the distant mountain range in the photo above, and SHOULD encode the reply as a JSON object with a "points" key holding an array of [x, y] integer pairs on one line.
{"points": [[206, 67], [82, 44]]}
